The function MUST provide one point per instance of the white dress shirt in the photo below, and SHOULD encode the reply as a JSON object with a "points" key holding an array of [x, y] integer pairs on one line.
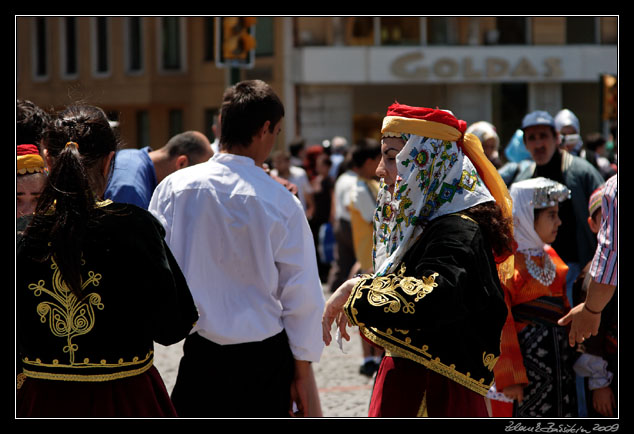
{"points": [[245, 247]]}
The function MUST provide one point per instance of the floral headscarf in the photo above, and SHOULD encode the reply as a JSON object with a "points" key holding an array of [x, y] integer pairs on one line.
{"points": [[436, 176]]}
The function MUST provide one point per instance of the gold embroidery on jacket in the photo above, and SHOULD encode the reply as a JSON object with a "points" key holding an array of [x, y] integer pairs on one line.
{"points": [[399, 348], [67, 316], [402, 346], [422, 411], [383, 291], [489, 361]]}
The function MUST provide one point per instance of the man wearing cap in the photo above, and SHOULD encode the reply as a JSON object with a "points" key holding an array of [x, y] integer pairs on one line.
{"points": [[576, 242]]}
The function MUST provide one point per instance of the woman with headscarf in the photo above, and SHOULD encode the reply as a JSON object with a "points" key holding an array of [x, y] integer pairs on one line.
{"points": [[442, 241], [567, 125], [535, 365]]}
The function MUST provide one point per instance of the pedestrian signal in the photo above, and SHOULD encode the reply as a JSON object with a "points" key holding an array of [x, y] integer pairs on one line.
{"points": [[235, 41]]}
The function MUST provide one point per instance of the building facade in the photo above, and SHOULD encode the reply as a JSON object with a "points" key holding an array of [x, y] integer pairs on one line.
{"points": [[157, 76]]}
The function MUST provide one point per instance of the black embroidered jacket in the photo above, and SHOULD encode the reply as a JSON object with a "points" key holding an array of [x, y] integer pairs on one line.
{"points": [[134, 294], [443, 307]]}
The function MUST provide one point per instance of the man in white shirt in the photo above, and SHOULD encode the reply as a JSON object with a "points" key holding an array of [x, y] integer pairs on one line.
{"points": [[247, 252]]}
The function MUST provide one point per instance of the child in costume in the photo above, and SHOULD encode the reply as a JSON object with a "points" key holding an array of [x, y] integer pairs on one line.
{"points": [[535, 363]]}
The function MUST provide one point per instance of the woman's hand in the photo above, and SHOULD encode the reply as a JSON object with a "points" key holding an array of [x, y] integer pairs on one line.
{"points": [[334, 311]]}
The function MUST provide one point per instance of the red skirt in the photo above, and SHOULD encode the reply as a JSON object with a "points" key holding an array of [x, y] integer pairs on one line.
{"points": [[404, 388], [141, 396]]}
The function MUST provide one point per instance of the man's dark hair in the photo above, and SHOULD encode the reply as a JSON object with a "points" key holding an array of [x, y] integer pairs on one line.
{"points": [[246, 107], [364, 150], [190, 143]]}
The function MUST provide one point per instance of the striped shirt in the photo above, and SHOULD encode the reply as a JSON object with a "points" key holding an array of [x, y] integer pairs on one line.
{"points": [[604, 267]]}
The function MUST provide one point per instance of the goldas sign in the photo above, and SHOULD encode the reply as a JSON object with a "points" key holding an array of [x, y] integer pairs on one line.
{"points": [[416, 66]]}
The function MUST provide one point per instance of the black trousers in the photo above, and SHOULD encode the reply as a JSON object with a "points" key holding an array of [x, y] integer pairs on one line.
{"points": [[235, 381]]}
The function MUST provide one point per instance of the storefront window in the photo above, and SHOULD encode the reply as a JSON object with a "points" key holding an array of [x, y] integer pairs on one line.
{"points": [[360, 31], [400, 30], [441, 31], [311, 31], [580, 30], [511, 30]]}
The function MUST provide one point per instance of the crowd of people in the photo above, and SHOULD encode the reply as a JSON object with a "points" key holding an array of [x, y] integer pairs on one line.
{"points": [[482, 280]]}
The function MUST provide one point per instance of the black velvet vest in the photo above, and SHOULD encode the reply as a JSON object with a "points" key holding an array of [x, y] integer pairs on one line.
{"points": [[443, 307], [133, 294]]}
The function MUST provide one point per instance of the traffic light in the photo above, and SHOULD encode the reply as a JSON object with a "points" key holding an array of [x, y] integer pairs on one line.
{"points": [[236, 41], [609, 92]]}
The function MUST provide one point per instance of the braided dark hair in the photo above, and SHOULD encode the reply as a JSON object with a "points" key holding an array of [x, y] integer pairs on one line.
{"points": [[78, 142]]}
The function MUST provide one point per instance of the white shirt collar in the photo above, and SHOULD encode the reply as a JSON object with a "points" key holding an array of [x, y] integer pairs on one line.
{"points": [[228, 157]]}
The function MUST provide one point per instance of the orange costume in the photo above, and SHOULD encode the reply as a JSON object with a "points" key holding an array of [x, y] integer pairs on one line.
{"points": [[521, 289], [534, 349]]}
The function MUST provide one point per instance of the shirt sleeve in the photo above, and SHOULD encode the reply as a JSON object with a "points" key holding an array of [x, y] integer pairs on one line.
{"points": [[604, 267], [300, 290], [595, 369]]}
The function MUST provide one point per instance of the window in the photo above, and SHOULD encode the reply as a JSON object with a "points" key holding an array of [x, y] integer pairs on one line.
{"points": [[580, 30], [210, 38], [359, 30], [142, 129], [171, 44], [211, 117], [400, 31], [101, 46], [175, 122], [40, 52], [441, 31], [68, 35], [264, 36], [511, 30], [134, 44]]}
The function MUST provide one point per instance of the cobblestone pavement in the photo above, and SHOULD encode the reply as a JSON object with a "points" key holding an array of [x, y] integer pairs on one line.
{"points": [[343, 391]]}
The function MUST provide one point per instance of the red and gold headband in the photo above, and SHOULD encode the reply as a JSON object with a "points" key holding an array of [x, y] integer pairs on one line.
{"points": [[29, 160]]}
